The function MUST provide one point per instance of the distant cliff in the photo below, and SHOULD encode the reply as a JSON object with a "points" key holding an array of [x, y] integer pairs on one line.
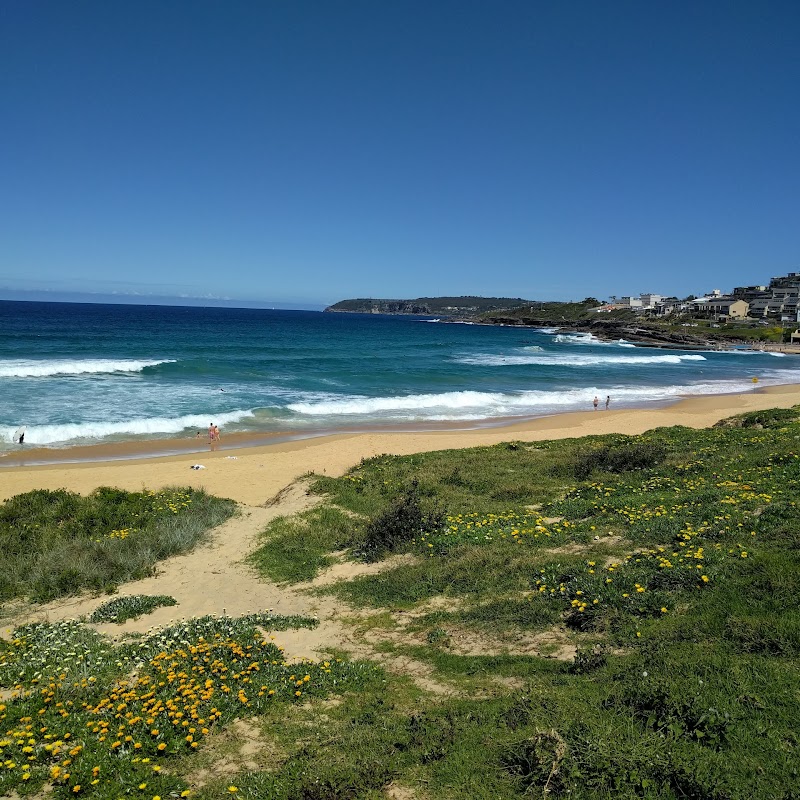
{"points": [[447, 306]]}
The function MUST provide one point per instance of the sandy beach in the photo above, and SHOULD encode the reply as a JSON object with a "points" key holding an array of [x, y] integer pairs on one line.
{"points": [[253, 475]]}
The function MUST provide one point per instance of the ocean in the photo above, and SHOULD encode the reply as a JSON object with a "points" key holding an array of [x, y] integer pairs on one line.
{"points": [[77, 374]]}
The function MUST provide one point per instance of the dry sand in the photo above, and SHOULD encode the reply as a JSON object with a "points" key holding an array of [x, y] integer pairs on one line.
{"points": [[213, 579]]}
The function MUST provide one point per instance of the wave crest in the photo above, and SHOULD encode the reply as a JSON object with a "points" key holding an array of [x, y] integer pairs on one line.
{"points": [[71, 432], [20, 368], [574, 360]]}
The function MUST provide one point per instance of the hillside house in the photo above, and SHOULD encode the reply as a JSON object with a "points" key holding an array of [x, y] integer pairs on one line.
{"points": [[728, 307]]}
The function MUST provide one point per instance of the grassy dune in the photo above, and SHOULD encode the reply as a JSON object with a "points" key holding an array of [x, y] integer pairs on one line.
{"points": [[670, 560], [56, 543]]}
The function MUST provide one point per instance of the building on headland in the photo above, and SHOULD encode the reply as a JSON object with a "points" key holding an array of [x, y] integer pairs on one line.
{"points": [[670, 305], [643, 301], [748, 293], [779, 300], [729, 307]]}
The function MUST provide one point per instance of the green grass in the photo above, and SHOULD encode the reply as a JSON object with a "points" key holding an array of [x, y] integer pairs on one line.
{"points": [[298, 547], [56, 543], [671, 559]]}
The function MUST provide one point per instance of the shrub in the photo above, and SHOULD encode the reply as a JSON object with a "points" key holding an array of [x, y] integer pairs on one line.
{"points": [[623, 457], [404, 520], [769, 418]]}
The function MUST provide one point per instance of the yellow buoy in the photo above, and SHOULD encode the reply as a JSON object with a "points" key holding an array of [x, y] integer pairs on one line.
{"points": [[755, 380]]}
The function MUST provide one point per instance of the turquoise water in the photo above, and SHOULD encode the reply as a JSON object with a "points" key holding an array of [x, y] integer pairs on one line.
{"points": [[79, 374]]}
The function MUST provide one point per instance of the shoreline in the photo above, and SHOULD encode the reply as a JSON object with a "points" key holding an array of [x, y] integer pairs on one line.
{"points": [[167, 447], [253, 475]]}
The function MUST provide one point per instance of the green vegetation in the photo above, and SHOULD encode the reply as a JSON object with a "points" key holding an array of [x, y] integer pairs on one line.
{"points": [[669, 562], [55, 543], [121, 609], [606, 617]]}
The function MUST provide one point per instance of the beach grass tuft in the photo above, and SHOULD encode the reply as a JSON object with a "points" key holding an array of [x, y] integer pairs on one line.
{"points": [[56, 543]]}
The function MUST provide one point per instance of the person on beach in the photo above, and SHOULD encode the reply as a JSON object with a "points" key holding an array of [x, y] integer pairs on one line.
{"points": [[211, 431], [596, 402], [608, 401], [216, 433]]}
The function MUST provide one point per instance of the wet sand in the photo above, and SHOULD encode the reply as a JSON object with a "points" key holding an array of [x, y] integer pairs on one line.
{"points": [[253, 475]]}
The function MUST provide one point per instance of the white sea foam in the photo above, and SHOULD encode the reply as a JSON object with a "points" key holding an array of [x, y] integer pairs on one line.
{"points": [[469, 405], [575, 360], [23, 368], [69, 432], [548, 331], [577, 338]]}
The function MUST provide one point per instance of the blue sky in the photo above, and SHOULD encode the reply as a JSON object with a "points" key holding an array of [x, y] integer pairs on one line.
{"points": [[304, 152]]}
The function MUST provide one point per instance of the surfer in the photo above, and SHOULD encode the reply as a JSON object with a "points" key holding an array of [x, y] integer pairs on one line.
{"points": [[22, 438]]}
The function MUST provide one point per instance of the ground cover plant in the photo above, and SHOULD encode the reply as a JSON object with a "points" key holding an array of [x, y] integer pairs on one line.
{"points": [[121, 609], [54, 543], [92, 718], [671, 560]]}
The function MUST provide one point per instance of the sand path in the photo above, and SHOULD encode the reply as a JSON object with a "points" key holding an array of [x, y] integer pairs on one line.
{"points": [[214, 579]]}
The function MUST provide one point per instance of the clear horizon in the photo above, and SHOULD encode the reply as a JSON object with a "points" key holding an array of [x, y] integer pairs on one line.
{"points": [[301, 154]]}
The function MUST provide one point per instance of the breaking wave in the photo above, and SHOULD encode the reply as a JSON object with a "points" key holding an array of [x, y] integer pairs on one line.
{"points": [[488, 360], [71, 432], [19, 368], [482, 405]]}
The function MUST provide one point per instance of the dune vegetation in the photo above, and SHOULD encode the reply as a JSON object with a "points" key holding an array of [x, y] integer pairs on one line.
{"points": [[57, 543], [667, 564], [605, 617]]}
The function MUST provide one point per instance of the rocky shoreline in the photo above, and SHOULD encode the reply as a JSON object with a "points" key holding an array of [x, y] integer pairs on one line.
{"points": [[613, 330]]}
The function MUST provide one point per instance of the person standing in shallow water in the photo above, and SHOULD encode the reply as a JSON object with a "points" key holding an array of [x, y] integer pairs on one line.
{"points": [[608, 401], [211, 431], [595, 402]]}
